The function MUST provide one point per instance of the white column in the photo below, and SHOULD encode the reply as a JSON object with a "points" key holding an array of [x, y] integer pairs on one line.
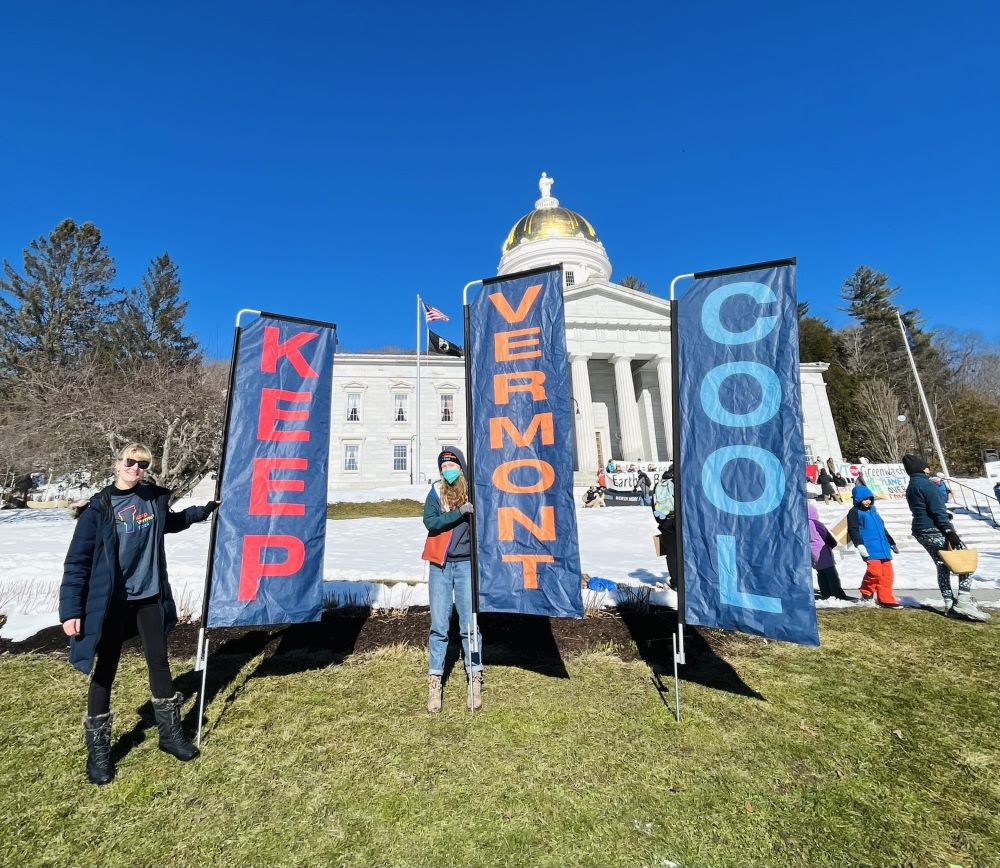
{"points": [[586, 445], [666, 401], [628, 410], [650, 451]]}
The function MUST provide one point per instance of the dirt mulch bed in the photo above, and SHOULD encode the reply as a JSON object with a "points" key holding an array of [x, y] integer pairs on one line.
{"points": [[535, 643]]}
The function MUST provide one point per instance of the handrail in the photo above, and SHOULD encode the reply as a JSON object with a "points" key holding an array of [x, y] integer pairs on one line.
{"points": [[976, 494]]}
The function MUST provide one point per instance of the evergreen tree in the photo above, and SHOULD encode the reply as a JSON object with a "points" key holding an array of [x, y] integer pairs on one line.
{"points": [[55, 311], [877, 349], [149, 321], [971, 424], [820, 343]]}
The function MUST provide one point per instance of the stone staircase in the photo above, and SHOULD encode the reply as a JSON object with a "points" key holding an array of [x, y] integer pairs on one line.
{"points": [[975, 528]]}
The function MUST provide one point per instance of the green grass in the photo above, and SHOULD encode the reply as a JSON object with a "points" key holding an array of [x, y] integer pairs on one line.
{"points": [[377, 509], [880, 748]]}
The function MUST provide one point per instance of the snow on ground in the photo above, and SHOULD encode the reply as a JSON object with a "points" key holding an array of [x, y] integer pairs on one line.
{"points": [[376, 561]]}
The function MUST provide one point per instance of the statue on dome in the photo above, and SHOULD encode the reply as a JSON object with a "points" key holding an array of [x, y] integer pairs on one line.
{"points": [[545, 185]]}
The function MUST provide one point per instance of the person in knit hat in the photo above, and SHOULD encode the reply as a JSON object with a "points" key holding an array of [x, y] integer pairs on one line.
{"points": [[449, 551], [873, 542], [932, 528]]}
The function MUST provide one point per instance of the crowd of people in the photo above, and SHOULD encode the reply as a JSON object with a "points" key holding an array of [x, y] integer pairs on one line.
{"points": [[638, 477], [115, 579], [931, 526]]}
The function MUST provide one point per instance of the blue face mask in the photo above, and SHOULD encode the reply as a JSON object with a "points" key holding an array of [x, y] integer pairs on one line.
{"points": [[451, 475]]}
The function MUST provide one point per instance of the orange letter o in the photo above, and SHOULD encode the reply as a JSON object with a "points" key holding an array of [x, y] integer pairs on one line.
{"points": [[546, 476]]}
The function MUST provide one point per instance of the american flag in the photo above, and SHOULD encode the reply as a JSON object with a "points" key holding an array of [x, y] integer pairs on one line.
{"points": [[432, 313]]}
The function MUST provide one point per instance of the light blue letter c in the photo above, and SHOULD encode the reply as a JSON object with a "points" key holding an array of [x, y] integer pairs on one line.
{"points": [[711, 310]]}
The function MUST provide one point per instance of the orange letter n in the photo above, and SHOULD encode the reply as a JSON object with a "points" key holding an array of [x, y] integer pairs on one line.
{"points": [[507, 515]]}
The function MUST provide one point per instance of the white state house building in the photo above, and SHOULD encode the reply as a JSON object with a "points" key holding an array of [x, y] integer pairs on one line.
{"points": [[619, 345]]}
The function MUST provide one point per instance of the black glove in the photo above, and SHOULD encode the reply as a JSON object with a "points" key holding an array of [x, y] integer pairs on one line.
{"points": [[210, 507], [953, 539]]}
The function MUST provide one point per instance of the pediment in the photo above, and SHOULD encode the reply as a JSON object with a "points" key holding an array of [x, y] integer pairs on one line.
{"points": [[608, 303]]}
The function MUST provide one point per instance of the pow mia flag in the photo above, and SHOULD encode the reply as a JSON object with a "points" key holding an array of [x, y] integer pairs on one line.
{"points": [[437, 344]]}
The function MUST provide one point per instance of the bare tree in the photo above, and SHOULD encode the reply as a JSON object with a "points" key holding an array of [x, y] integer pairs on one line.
{"points": [[879, 405], [76, 419]]}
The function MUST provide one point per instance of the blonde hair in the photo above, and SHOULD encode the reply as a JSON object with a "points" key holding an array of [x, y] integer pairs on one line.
{"points": [[455, 495], [139, 451]]}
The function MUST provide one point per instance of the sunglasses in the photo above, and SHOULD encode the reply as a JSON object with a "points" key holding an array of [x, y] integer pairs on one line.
{"points": [[132, 462]]}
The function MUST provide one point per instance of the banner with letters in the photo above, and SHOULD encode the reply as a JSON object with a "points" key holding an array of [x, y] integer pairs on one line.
{"points": [[522, 439], [887, 481], [266, 566], [747, 565]]}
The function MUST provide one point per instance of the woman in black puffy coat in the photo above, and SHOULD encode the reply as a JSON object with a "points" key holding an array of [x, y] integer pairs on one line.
{"points": [[114, 587]]}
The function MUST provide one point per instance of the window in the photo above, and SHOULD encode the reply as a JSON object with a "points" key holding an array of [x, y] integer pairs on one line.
{"points": [[399, 456], [351, 456], [447, 408], [399, 413], [353, 406], [570, 278]]}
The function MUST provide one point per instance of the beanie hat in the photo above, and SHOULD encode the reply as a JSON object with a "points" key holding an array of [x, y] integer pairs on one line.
{"points": [[452, 454], [914, 464]]}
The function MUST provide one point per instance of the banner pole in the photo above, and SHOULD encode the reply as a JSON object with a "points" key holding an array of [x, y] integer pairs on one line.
{"points": [[201, 659], [417, 456], [204, 680], [469, 452], [923, 398], [675, 412]]}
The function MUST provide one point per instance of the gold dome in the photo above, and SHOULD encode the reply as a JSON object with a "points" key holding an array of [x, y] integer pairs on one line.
{"points": [[549, 223]]}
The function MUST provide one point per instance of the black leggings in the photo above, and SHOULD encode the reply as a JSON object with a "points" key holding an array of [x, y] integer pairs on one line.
{"points": [[124, 618]]}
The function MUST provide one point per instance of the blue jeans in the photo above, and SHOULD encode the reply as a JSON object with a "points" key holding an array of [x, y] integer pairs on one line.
{"points": [[448, 584]]}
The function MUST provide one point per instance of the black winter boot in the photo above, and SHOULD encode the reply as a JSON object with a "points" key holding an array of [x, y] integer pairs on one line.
{"points": [[168, 721], [97, 730]]}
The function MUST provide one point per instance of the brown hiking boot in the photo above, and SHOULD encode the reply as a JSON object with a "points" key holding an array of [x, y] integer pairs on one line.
{"points": [[475, 701], [434, 694]]}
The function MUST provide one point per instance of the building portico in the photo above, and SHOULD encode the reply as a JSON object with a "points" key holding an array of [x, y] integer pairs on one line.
{"points": [[619, 350]]}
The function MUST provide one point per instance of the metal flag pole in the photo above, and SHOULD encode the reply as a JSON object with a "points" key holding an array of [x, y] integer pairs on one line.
{"points": [[469, 454], [201, 657], [675, 412], [923, 397], [417, 456]]}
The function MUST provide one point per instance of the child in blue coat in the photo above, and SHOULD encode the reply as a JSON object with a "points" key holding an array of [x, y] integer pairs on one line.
{"points": [[874, 543]]}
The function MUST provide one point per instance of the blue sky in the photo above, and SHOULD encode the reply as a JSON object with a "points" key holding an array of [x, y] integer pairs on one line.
{"points": [[331, 160]]}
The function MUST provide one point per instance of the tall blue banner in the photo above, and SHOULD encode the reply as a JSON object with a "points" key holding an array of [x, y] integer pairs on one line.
{"points": [[744, 523], [270, 537], [522, 439]]}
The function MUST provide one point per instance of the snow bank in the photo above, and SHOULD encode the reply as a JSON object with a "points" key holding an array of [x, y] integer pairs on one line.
{"points": [[376, 561]]}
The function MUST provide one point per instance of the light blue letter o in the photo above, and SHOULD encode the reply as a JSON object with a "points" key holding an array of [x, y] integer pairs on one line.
{"points": [[770, 390], [774, 480]]}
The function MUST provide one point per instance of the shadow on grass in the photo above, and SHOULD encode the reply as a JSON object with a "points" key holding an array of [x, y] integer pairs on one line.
{"points": [[521, 641], [285, 651], [652, 629]]}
